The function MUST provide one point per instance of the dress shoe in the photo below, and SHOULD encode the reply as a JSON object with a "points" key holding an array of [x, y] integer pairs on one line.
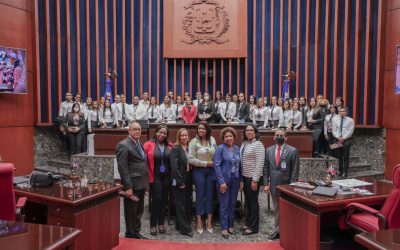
{"points": [[190, 234], [161, 230], [232, 232], [243, 228], [225, 236], [153, 231], [210, 230], [136, 236], [200, 230], [274, 236], [248, 232]]}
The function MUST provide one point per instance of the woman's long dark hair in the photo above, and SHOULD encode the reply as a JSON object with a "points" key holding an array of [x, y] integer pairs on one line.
{"points": [[158, 129], [208, 129], [255, 131], [104, 108]]}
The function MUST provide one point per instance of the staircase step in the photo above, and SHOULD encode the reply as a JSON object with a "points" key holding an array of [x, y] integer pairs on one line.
{"points": [[374, 174], [60, 163], [355, 159], [359, 167], [54, 170]]}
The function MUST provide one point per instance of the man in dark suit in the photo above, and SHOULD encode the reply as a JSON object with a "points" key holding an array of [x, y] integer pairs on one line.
{"points": [[243, 109], [132, 167], [281, 167]]}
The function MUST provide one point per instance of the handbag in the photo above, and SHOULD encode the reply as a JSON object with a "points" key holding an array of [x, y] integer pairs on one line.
{"points": [[40, 179]]}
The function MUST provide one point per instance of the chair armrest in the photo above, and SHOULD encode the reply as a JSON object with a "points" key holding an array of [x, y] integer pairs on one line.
{"points": [[365, 209], [21, 202]]}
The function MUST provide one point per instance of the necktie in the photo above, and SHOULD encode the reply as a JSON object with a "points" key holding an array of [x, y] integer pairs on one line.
{"points": [[177, 109], [278, 155], [123, 111], [140, 148], [272, 112], [152, 111], [341, 127], [227, 106]]}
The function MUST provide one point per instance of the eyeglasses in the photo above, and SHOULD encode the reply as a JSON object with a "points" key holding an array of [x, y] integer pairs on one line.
{"points": [[136, 129]]}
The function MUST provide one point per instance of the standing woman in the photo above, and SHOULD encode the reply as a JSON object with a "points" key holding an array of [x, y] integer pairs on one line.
{"points": [[75, 129], [252, 157], [93, 120], [287, 116], [152, 110], [206, 110], [189, 111], [217, 106], [182, 182], [178, 108], [158, 161], [328, 127], [303, 109], [297, 117], [275, 114], [166, 111], [227, 176], [201, 151], [259, 113], [107, 115], [102, 102], [253, 105]]}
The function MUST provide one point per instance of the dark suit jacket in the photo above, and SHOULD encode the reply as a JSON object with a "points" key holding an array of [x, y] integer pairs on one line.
{"points": [[243, 112], [132, 167], [275, 175], [178, 164]]}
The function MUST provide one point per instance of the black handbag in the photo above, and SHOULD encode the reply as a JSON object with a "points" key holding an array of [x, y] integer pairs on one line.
{"points": [[40, 179]]}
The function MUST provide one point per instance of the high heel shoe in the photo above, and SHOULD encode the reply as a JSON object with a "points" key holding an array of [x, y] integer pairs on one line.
{"points": [[199, 229], [210, 230]]}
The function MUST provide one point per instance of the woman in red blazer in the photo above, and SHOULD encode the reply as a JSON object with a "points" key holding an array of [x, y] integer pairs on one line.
{"points": [[189, 111], [158, 153]]}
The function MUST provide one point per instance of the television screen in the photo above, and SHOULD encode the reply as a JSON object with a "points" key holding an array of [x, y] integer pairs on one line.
{"points": [[13, 70], [397, 81]]}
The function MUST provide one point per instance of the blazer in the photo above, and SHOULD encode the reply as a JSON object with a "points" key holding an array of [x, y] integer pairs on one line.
{"points": [[223, 164], [207, 108], [149, 151], [179, 162], [275, 175], [189, 117], [243, 112], [81, 122], [132, 167]]}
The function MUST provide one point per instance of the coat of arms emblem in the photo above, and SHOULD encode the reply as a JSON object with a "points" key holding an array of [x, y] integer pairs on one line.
{"points": [[205, 22]]}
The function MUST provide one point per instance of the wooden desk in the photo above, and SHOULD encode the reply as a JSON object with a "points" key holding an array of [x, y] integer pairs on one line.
{"points": [[17, 235], [94, 209], [106, 139], [386, 239], [300, 212]]}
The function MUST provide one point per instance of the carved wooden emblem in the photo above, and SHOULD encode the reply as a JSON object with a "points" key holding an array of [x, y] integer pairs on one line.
{"points": [[205, 28], [205, 22]]}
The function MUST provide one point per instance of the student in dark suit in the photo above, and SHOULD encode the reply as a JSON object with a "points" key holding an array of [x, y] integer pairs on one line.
{"points": [[132, 167], [243, 109], [281, 166], [182, 182], [75, 129]]}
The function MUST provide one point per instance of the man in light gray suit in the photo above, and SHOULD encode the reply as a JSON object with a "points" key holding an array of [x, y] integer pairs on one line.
{"points": [[132, 167], [281, 167]]}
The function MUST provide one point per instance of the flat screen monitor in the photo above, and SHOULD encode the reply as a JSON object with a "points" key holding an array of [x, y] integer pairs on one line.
{"points": [[13, 70]]}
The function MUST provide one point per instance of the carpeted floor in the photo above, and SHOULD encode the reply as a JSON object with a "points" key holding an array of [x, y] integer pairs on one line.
{"points": [[125, 243]]}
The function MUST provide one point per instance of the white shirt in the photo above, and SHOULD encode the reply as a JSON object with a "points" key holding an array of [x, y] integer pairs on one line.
{"points": [[347, 128], [119, 111], [166, 113], [276, 113], [217, 106], [227, 112], [179, 107], [196, 102], [107, 116], [92, 116], [252, 108], [287, 119], [328, 123], [146, 104], [297, 119], [65, 108], [137, 112], [259, 114], [152, 112]]}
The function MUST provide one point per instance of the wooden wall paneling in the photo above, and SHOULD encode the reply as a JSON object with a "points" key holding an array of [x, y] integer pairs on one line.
{"points": [[78, 47], [183, 79], [246, 76], [298, 48], [367, 68], [115, 45], [307, 55], [198, 75], [238, 76], [271, 49], [357, 47], [174, 90], [38, 118], [141, 47], [158, 49], [106, 37], [262, 50], [215, 78], [58, 42], [280, 47], [96, 18], [48, 60], [222, 75], [206, 76], [166, 78], [132, 69], [316, 49], [289, 51], [88, 63], [254, 44], [230, 75], [191, 78], [326, 46], [380, 62], [149, 82], [68, 39], [124, 51], [336, 49], [346, 51]]}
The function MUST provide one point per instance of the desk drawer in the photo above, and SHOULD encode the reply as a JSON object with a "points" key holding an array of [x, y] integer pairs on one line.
{"points": [[59, 221], [60, 210]]}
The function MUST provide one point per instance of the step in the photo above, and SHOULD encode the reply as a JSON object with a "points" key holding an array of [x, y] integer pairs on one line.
{"points": [[355, 159], [374, 174], [60, 163], [54, 170], [359, 167]]}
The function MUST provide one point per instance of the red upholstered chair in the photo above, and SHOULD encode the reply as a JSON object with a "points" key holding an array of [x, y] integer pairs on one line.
{"points": [[373, 220], [9, 210]]}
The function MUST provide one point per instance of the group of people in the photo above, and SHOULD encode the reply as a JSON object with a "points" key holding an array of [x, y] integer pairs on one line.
{"points": [[221, 170], [77, 119]]}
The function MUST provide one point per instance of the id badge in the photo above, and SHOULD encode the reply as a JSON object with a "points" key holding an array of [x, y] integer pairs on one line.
{"points": [[283, 165], [162, 168]]}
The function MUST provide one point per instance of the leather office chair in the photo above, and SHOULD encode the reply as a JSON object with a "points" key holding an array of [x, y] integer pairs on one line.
{"points": [[373, 220], [9, 210]]}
